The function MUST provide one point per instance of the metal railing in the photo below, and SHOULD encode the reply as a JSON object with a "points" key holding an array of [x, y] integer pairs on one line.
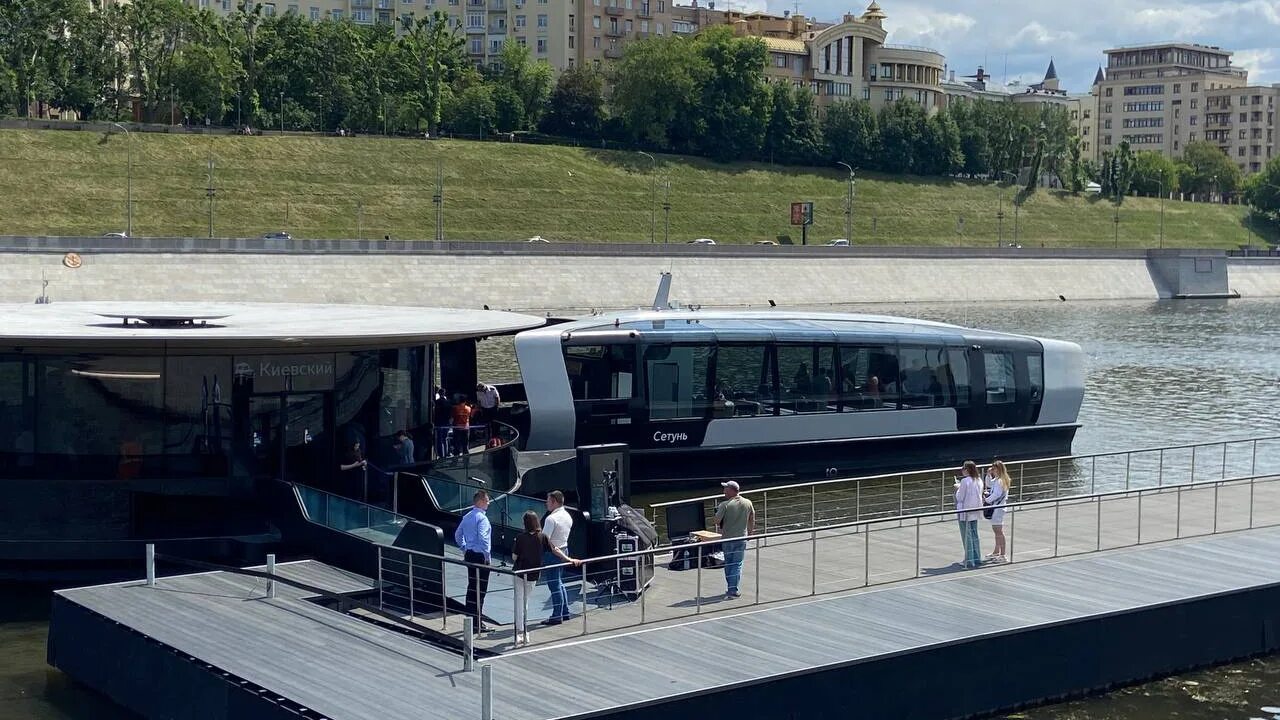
{"points": [[792, 564], [347, 515], [827, 502]]}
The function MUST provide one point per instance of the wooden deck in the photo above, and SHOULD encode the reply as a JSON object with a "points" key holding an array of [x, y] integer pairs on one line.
{"points": [[344, 668]]}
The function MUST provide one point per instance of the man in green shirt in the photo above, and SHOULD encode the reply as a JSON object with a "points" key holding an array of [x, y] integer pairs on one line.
{"points": [[735, 518]]}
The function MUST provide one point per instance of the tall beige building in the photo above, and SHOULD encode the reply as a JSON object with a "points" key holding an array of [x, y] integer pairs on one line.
{"points": [[1161, 97]]}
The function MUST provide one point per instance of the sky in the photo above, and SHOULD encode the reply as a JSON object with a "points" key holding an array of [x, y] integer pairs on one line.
{"points": [[1025, 34]]}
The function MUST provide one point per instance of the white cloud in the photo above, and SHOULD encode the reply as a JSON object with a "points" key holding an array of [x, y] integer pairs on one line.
{"points": [[1075, 34]]}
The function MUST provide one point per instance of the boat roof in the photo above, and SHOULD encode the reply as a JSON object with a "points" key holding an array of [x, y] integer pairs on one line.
{"points": [[763, 325], [233, 325]]}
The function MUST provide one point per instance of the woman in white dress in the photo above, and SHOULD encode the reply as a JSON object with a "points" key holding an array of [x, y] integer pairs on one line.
{"points": [[997, 495], [969, 507]]}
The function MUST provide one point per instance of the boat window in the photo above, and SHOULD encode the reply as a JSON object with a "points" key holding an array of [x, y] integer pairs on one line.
{"points": [[924, 377], [957, 371], [17, 417], [807, 376], [677, 381], [1035, 368], [868, 377], [602, 378], [197, 406], [744, 378], [1000, 377]]}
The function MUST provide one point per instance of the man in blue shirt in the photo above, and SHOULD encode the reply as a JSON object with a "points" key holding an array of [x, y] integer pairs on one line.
{"points": [[474, 537]]}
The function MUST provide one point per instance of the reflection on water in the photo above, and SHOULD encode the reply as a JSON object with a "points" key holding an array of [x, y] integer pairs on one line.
{"points": [[1158, 374]]}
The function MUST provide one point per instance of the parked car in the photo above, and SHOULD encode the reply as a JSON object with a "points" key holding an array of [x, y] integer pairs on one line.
{"points": [[839, 242], [280, 235], [702, 241], [766, 242], [116, 235], [538, 239]]}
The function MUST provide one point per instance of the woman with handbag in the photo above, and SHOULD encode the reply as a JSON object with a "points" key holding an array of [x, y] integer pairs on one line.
{"points": [[997, 496]]}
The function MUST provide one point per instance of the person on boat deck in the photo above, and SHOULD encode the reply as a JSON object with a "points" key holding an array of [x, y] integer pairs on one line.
{"points": [[487, 401], [557, 524], [404, 448], [735, 518], [462, 412], [527, 552], [353, 468], [801, 383], [442, 416], [969, 509], [474, 537]]}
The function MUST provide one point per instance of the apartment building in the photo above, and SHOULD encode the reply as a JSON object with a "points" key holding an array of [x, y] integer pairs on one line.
{"points": [[1242, 123]]}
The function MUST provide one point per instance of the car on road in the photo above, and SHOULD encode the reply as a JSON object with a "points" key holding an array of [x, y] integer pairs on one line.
{"points": [[766, 242], [538, 239], [839, 242], [702, 241], [281, 235], [115, 235]]}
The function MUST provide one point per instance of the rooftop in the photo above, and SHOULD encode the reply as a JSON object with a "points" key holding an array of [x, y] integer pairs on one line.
{"points": [[1182, 45], [248, 324]]}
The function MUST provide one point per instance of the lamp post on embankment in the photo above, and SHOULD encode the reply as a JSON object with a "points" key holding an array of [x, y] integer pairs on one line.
{"points": [[848, 209], [653, 195], [128, 202]]}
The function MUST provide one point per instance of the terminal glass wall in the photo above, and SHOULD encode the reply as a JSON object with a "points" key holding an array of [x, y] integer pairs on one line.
{"points": [[131, 416]]}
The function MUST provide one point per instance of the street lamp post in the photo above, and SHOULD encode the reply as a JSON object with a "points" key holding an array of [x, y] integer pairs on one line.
{"points": [[1161, 210], [128, 202], [848, 210], [666, 211], [653, 196], [281, 113], [1115, 220], [1013, 180]]}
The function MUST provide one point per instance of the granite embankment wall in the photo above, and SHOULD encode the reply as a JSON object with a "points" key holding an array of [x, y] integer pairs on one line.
{"points": [[563, 276]]}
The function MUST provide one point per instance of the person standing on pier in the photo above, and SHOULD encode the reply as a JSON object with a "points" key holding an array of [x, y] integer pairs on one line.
{"points": [[474, 537], [527, 553], [998, 482], [557, 525], [735, 518], [969, 507]]}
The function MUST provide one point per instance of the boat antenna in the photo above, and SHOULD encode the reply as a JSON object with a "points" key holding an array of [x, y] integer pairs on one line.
{"points": [[662, 300], [44, 290]]}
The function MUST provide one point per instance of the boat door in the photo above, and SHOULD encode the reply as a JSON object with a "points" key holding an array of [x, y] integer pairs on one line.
{"points": [[288, 437], [1006, 393]]}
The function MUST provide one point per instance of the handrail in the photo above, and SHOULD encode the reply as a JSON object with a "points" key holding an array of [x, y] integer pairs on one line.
{"points": [[661, 550], [926, 471]]}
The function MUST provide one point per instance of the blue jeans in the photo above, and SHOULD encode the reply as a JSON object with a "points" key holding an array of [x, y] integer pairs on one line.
{"points": [[555, 583], [969, 536], [734, 551]]}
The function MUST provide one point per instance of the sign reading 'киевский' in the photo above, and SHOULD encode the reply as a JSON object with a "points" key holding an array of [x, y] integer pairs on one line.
{"points": [[286, 372]]}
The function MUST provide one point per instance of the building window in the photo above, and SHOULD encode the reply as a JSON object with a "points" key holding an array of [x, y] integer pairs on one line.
{"points": [[1177, 88], [628, 26], [662, 6], [660, 28], [477, 46], [1144, 90], [1086, 114], [542, 21], [315, 13], [475, 21], [542, 46], [595, 22], [521, 21], [888, 94], [1195, 87], [570, 42], [1242, 151], [595, 42], [336, 14], [1086, 131], [1107, 92]]}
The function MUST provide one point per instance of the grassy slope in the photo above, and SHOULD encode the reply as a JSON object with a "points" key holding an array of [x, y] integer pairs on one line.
{"points": [[66, 183]]}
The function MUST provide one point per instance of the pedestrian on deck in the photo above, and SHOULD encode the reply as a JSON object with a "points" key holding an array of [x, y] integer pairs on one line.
{"points": [[355, 472], [998, 482], [557, 524], [969, 507], [735, 518], [404, 448], [527, 553], [487, 400], [461, 425], [442, 417], [474, 537]]}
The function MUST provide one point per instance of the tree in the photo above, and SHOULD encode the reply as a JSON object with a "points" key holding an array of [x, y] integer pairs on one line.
{"points": [[438, 51], [1154, 173], [1076, 169], [792, 136], [851, 134], [1262, 192], [733, 98], [939, 153], [30, 32], [902, 129], [508, 109], [529, 80], [8, 89], [1206, 169], [475, 110], [154, 32], [1124, 169], [656, 89], [576, 108], [974, 143]]}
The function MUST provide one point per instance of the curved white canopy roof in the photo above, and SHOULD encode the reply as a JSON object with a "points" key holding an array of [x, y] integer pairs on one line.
{"points": [[232, 325]]}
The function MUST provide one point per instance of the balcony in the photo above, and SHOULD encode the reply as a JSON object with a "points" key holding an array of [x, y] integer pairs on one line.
{"points": [[386, 4], [644, 12], [613, 53], [613, 32], [361, 4], [614, 11]]}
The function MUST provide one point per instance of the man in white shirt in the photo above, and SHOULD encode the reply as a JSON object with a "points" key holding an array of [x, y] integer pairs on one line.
{"points": [[488, 399], [556, 526]]}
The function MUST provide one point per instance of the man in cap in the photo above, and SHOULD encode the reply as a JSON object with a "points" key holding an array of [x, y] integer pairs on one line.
{"points": [[735, 517]]}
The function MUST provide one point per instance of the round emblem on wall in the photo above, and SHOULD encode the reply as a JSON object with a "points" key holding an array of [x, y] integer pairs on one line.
{"points": [[72, 260]]}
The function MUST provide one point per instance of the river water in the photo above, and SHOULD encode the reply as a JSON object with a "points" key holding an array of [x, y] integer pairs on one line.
{"points": [[1158, 374]]}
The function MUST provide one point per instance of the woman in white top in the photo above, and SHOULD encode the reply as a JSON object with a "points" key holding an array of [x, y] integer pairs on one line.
{"points": [[969, 505], [998, 482]]}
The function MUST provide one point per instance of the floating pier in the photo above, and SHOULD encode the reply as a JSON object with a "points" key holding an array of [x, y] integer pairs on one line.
{"points": [[1104, 589]]}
